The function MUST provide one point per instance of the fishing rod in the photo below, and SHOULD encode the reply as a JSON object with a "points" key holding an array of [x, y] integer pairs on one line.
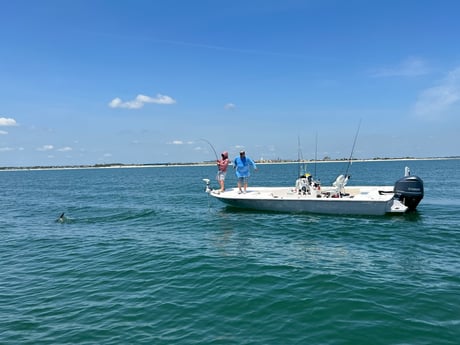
{"points": [[212, 147], [352, 149], [316, 153], [299, 157]]}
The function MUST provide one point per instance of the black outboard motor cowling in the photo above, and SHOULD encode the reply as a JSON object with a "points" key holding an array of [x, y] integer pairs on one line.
{"points": [[409, 190]]}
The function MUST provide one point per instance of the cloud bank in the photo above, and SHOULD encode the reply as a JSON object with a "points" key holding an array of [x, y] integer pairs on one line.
{"points": [[140, 101], [441, 99]]}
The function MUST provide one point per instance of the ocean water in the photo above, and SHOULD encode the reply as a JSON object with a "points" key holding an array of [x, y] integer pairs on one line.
{"points": [[146, 257]]}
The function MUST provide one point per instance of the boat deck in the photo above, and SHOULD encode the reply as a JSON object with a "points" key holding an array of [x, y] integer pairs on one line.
{"points": [[290, 193]]}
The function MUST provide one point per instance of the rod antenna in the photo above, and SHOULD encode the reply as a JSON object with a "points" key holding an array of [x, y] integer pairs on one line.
{"points": [[353, 149], [316, 153]]}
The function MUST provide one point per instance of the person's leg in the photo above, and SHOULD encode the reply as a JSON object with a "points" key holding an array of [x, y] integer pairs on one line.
{"points": [[221, 182]]}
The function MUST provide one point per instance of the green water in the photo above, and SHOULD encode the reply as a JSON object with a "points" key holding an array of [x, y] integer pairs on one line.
{"points": [[146, 257]]}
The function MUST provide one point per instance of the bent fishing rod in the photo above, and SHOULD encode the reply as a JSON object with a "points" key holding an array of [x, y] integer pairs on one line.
{"points": [[212, 147]]}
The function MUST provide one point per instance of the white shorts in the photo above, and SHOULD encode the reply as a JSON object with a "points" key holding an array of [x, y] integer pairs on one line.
{"points": [[221, 175]]}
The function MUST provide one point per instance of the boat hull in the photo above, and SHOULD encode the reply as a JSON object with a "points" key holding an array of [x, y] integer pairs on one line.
{"points": [[364, 201]]}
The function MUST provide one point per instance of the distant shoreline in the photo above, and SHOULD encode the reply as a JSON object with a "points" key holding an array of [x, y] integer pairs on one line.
{"points": [[211, 163]]}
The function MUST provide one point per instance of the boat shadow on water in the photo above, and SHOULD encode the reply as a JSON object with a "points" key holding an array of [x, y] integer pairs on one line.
{"points": [[410, 216]]}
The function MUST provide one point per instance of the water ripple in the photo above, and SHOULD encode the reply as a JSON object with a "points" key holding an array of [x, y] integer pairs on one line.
{"points": [[143, 259]]}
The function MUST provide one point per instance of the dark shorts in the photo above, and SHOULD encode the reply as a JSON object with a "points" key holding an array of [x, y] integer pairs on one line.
{"points": [[243, 179]]}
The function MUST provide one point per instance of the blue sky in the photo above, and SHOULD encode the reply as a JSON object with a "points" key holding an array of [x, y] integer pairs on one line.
{"points": [[102, 81]]}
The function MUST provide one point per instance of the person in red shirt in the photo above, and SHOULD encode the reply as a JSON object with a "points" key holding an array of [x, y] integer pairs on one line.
{"points": [[222, 165]]}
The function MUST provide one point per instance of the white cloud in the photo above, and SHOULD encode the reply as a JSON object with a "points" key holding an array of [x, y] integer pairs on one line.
{"points": [[115, 103], [440, 99], [5, 121], [229, 106], [6, 149], [411, 67], [45, 148], [65, 149], [180, 142], [3, 132], [140, 100]]}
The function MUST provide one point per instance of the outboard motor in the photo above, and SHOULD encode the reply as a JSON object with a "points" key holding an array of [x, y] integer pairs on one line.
{"points": [[409, 190], [208, 188]]}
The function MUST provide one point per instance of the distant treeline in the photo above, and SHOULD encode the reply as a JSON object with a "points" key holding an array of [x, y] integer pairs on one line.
{"points": [[106, 165], [121, 165]]}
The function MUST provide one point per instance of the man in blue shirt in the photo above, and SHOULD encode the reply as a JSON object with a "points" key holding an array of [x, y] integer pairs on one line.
{"points": [[241, 164]]}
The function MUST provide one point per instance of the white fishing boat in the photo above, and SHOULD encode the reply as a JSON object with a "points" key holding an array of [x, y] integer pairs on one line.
{"points": [[309, 196]]}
